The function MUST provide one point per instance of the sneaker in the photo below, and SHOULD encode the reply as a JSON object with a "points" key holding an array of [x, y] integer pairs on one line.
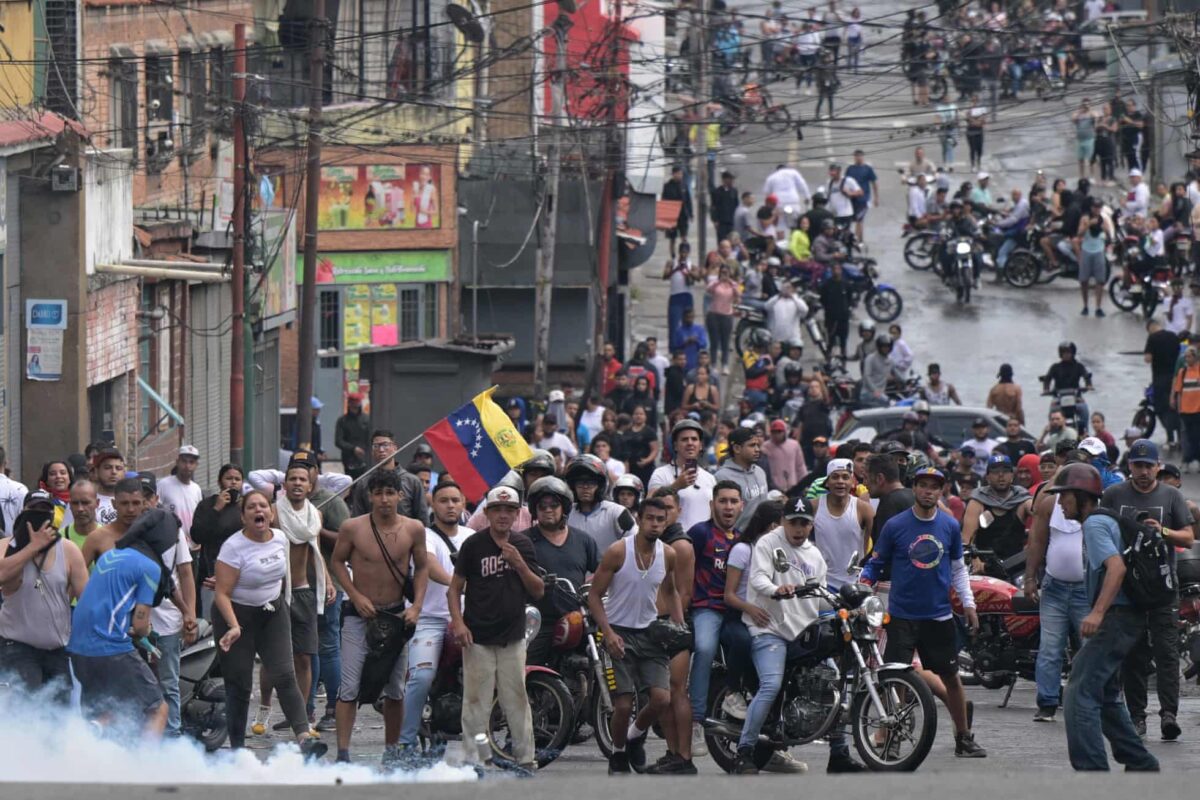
{"points": [[327, 723], [1099, 312], [1170, 728], [313, 749], [282, 726], [843, 764], [781, 761], [1045, 714], [965, 746], [672, 764], [1084, 313], [635, 751], [261, 717], [699, 746], [734, 705], [1139, 725], [744, 765], [663, 760], [618, 763]]}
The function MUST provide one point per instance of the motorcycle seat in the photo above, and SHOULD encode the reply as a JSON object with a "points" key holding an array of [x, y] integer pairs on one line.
{"points": [[1023, 606]]}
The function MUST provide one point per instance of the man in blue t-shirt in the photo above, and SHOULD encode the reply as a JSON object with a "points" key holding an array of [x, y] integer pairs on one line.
{"points": [[114, 610], [1093, 706], [924, 548], [864, 175]]}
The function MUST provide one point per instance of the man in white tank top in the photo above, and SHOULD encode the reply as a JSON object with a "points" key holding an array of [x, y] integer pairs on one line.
{"points": [[631, 572], [843, 522], [1056, 543]]}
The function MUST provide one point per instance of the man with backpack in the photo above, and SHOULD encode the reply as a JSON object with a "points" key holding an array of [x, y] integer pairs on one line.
{"points": [[1144, 498], [1093, 708]]}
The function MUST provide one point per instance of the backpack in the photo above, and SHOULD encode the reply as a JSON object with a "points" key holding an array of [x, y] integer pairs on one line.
{"points": [[1149, 577]]}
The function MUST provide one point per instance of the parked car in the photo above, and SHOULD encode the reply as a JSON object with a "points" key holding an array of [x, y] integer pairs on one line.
{"points": [[1094, 37], [951, 424]]}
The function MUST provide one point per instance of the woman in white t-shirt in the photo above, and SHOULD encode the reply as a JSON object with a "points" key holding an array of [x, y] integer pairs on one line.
{"points": [[250, 616]]}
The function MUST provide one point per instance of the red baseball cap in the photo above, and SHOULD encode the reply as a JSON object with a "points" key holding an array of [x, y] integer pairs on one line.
{"points": [[778, 425], [355, 396]]}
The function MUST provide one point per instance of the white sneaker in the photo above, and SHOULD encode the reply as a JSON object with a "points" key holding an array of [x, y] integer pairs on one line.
{"points": [[699, 746], [735, 706], [782, 762], [262, 717]]}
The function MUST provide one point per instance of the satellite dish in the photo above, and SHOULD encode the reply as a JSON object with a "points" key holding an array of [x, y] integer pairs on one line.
{"points": [[466, 22], [568, 6]]}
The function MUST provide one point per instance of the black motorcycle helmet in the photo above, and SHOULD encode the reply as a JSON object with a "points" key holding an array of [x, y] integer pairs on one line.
{"points": [[916, 462], [1066, 346], [759, 338]]}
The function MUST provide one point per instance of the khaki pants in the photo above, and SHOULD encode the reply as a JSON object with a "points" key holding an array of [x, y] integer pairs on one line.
{"points": [[490, 671]]}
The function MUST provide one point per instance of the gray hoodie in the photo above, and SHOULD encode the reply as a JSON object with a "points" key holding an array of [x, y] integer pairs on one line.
{"points": [[754, 487]]}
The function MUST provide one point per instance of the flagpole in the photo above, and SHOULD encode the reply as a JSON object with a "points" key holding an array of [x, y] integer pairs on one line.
{"points": [[379, 464]]}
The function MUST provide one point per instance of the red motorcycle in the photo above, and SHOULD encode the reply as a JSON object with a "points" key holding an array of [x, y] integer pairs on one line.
{"points": [[550, 704], [1006, 646]]}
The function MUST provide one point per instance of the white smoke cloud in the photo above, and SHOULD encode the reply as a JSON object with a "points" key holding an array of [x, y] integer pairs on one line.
{"points": [[42, 745]]}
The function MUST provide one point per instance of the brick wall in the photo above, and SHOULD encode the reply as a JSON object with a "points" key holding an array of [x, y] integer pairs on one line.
{"points": [[112, 22], [112, 330]]}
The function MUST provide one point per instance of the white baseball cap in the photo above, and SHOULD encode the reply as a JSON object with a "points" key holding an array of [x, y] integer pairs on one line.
{"points": [[1093, 446], [1135, 173], [503, 496], [983, 176], [189, 450], [839, 465], [556, 396]]}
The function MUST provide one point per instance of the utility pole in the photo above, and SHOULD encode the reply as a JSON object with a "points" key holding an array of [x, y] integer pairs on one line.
{"points": [[237, 367], [612, 156], [308, 296], [544, 284], [702, 176]]}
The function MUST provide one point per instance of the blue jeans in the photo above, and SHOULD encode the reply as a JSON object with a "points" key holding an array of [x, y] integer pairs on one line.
{"points": [[1062, 608], [424, 649], [676, 305], [1007, 246], [327, 664], [769, 653], [168, 677], [1094, 709], [706, 624]]}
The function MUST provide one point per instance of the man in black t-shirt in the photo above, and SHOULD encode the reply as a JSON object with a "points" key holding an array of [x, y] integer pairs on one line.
{"points": [[496, 568], [1015, 445], [883, 482], [1162, 354], [564, 552]]}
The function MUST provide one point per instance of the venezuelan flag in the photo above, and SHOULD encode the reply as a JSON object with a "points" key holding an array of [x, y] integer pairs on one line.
{"points": [[478, 445]]}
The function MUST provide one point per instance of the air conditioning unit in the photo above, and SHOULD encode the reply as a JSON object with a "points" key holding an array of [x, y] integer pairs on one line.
{"points": [[64, 178]]}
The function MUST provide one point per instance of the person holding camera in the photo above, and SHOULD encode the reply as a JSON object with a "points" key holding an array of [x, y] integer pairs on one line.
{"points": [[218, 517]]}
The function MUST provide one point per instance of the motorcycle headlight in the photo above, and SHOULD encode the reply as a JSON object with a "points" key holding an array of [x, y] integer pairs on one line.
{"points": [[963, 248], [533, 623], [873, 610]]}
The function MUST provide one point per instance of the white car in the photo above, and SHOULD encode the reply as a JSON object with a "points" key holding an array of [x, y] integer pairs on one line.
{"points": [[1094, 38]]}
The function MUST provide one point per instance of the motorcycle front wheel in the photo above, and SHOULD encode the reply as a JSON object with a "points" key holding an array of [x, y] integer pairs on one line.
{"points": [[902, 744], [1021, 270], [1145, 421], [552, 710], [884, 305], [937, 88], [777, 119], [1122, 295]]}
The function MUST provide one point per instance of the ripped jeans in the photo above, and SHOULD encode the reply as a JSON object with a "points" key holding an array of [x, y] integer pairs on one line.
{"points": [[424, 649]]}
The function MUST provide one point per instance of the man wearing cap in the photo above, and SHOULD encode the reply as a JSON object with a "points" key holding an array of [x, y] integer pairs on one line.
{"points": [[1097, 456], [352, 435], [684, 474], [843, 522], [1009, 505], [495, 575], [1137, 199], [1161, 507], [552, 437], [423, 455], [789, 188], [108, 467], [1093, 707], [1171, 476], [179, 492], [745, 447], [981, 195], [924, 548], [982, 444], [785, 458]]}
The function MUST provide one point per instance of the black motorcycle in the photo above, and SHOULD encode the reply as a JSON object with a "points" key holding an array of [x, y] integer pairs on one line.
{"points": [[836, 676], [201, 691]]}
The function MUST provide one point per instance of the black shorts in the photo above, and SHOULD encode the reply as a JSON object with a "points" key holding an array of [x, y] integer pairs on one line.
{"points": [[118, 684], [936, 641], [645, 665], [306, 637]]}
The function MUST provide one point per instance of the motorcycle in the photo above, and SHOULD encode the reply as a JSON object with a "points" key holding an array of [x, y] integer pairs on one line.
{"points": [[751, 104], [1006, 646], [1187, 566], [836, 675], [550, 703], [922, 247], [1067, 401], [962, 274], [1144, 419], [882, 301], [1146, 290], [202, 691]]}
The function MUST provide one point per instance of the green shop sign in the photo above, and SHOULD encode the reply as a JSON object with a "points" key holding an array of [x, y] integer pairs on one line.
{"points": [[395, 266]]}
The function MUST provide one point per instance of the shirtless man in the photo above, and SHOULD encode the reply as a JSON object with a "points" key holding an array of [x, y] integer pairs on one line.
{"points": [[129, 503], [300, 522], [377, 585]]}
